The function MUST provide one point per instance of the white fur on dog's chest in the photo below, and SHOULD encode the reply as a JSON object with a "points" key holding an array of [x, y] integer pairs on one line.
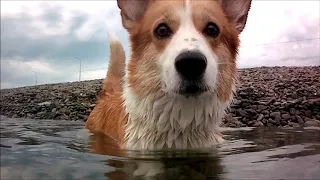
{"points": [[172, 121]]}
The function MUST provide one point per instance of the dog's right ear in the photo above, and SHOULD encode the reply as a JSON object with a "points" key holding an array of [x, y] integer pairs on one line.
{"points": [[132, 11]]}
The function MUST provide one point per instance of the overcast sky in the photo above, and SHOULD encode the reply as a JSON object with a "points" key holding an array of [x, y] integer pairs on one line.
{"points": [[45, 37]]}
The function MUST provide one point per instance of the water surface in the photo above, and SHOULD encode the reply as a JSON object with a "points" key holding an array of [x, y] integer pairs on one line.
{"points": [[49, 149]]}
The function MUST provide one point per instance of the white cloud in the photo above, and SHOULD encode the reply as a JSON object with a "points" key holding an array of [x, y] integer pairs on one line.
{"points": [[281, 21], [98, 74], [97, 13], [15, 72], [20, 68], [7, 85], [269, 22], [12, 8]]}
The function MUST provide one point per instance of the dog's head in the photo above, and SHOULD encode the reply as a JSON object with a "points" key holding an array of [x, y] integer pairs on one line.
{"points": [[183, 47]]}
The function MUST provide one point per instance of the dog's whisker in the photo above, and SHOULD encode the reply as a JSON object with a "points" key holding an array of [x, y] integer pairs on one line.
{"points": [[171, 85]]}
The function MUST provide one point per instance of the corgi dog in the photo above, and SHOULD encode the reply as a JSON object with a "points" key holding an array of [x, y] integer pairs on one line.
{"points": [[180, 77]]}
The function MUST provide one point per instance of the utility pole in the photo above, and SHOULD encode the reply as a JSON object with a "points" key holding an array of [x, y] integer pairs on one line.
{"points": [[36, 77], [79, 68]]}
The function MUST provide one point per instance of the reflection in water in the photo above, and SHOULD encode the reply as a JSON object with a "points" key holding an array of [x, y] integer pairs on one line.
{"points": [[63, 150], [206, 164], [196, 164], [168, 166]]}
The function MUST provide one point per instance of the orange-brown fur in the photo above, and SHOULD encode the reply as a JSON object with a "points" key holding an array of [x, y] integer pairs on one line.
{"points": [[143, 72], [108, 116], [146, 49], [142, 66], [225, 46]]}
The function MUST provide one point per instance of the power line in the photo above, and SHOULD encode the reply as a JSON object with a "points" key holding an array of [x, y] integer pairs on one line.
{"points": [[62, 77], [80, 70], [285, 42], [94, 69]]}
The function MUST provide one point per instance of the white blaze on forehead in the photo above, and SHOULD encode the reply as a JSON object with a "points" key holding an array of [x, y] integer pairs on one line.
{"points": [[188, 8], [187, 34], [186, 38]]}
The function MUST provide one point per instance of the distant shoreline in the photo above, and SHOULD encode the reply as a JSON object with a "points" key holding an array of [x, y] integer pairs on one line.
{"points": [[267, 96]]}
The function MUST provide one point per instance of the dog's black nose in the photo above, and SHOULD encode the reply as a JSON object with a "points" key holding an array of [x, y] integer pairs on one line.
{"points": [[191, 65]]}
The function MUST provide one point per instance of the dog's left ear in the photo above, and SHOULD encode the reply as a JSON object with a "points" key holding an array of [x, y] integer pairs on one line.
{"points": [[132, 11], [237, 12]]}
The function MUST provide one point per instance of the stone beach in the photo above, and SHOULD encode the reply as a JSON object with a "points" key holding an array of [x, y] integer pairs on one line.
{"points": [[265, 96]]}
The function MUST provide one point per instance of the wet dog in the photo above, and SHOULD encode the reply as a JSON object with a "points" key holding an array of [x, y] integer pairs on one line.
{"points": [[180, 77]]}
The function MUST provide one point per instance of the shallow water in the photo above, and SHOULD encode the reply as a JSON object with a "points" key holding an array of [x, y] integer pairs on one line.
{"points": [[45, 149]]}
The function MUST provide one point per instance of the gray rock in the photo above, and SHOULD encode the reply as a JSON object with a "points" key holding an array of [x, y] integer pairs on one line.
{"points": [[312, 123], [251, 111], [229, 118], [263, 91], [265, 112], [232, 110], [65, 111], [283, 123], [264, 121], [308, 113], [243, 94], [15, 116], [292, 111], [298, 112], [236, 102], [277, 119], [244, 105], [232, 125], [277, 103], [262, 107], [261, 116], [307, 119], [258, 124], [300, 120], [251, 123], [292, 124], [242, 113], [41, 113], [47, 103], [285, 116], [275, 114], [237, 124], [270, 125], [254, 107]]}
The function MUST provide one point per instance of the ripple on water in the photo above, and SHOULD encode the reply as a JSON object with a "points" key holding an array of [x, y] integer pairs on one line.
{"points": [[43, 149]]}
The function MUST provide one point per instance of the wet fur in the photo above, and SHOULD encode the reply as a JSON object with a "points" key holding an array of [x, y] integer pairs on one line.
{"points": [[137, 108]]}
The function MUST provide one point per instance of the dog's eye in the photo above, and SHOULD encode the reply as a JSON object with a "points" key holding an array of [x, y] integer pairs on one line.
{"points": [[162, 31], [212, 30]]}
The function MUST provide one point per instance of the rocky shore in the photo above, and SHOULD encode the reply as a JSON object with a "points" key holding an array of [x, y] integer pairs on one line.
{"points": [[273, 97]]}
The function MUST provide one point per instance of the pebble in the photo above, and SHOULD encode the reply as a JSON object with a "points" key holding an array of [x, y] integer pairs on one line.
{"points": [[267, 96], [258, 124], [275, 114], [300, 120], [261, 116], [285, 116], [265, 112], [312, 123], [236, 102]]}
